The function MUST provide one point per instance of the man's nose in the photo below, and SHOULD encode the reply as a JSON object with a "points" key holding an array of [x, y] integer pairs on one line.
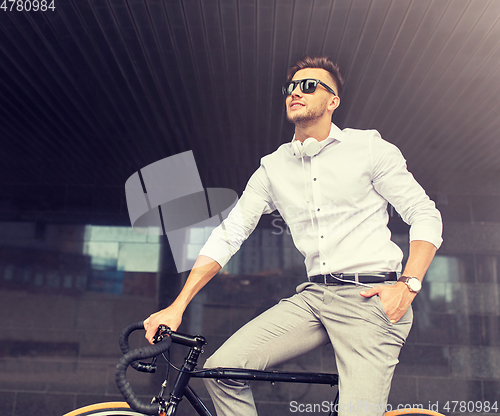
{"points": [[296, 90]]}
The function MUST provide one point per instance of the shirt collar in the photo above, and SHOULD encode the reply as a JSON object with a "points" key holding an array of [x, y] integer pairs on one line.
{"points": [[335, 134]]}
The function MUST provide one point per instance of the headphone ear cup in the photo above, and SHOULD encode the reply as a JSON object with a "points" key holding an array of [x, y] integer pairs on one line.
{"points": [[311, 147]]}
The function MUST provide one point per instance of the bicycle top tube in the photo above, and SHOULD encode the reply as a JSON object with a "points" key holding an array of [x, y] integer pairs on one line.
{"points": [[268, 375]]}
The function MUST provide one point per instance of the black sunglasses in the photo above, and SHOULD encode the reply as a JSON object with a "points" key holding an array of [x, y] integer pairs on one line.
{"points": [[307, 86]]}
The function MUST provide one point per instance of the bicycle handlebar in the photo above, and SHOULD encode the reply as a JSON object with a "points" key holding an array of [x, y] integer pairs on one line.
{"points": [[124, 346], [130, 358]]}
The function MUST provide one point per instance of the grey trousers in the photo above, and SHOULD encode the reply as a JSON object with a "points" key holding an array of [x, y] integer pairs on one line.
{"points": [[365, 343]]}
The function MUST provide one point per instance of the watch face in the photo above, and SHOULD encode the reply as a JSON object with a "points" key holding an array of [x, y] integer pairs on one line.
{"points": [[415, 284]]}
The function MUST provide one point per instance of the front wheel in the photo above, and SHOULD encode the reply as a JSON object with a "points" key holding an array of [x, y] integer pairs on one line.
{"points": [[413, 412], [105, 409]]}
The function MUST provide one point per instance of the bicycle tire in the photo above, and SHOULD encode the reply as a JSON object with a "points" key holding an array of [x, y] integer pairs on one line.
{"points": [[105, 409], [412, 412]]}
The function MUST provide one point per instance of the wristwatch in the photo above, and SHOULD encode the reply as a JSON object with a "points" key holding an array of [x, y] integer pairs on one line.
{"points": [[413, 283]]}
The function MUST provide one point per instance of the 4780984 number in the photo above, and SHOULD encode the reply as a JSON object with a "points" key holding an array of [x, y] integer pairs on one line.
{"points": [[28, 5], [471, 406]]}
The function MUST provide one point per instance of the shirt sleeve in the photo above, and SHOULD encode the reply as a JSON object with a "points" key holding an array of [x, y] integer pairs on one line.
{"points": [[226, 239], [392, 180]]}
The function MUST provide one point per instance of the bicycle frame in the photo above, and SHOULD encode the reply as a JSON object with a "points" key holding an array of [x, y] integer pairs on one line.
{"points": [[181, 386]]}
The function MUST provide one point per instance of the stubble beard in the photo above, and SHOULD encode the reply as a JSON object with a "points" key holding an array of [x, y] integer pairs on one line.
{"points": [[308, 118]]}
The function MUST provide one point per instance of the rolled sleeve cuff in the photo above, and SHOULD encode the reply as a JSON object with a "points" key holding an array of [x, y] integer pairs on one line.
{"points": [[216, 254], [426, 232]]}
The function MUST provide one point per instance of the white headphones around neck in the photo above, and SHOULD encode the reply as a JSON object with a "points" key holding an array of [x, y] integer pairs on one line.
{"points": [[310, 147]]}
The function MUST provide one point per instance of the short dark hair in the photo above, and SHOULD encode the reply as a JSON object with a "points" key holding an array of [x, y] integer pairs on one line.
{"points": [[322, 62]]}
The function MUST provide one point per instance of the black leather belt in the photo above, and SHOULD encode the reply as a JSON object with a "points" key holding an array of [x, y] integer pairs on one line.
{"points": [[349, 278]]}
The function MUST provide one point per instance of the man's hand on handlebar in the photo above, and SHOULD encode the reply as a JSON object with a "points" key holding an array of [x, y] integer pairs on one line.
{"points": [[168, 317]]}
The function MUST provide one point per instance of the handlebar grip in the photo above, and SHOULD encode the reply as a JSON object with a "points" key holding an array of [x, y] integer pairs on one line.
{"points": [[127, 360], [124, 346], [134, 326]]}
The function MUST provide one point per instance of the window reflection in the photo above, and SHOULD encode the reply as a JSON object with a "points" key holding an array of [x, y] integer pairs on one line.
{"points": [[121, 249]]}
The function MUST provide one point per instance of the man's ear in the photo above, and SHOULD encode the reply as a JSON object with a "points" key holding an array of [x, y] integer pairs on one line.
{"points": [[334, 103]]}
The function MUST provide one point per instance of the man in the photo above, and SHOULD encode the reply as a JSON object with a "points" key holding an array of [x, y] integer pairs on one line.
{"points": [[331, 188]]}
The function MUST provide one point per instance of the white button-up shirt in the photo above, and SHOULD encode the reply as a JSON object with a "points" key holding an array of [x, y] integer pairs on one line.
{"points": [[335, 204]]}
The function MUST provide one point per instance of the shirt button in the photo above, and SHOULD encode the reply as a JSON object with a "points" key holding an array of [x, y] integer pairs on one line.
{"points": [[322, 236], [318, 209], [314, 179], [324, 263]]}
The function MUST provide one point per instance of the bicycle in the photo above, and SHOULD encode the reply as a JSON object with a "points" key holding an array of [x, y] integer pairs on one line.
{"points": [[167, 406]]}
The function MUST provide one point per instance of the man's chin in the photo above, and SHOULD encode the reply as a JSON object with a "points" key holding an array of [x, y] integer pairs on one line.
{"points": [[300, 121], [294, 118]]}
